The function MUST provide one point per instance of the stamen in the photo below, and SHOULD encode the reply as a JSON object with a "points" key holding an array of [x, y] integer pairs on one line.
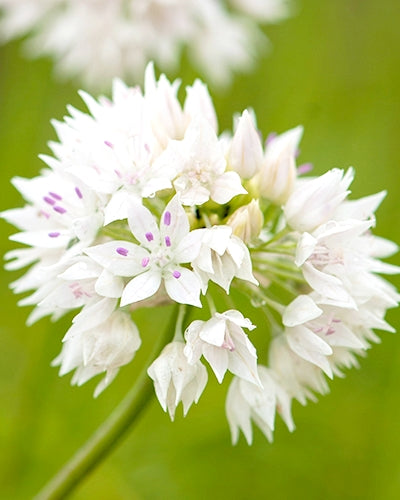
{"points": [[109, 144], [54, 234], [167, 241], [78, 193], [149, 236], [270, 138], [118, 173], [58, 209], [305, 168], [176, 274], [55, 196], [167, 218], [145, 261], [45, 214], [122, 251], [48, 200]]}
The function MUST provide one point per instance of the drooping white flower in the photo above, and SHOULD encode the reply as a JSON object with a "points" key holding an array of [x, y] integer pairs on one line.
{"points": [[105, 348], [175, 379], [222, 257], [157, 259], [246, 401], [100, 39], [314, 201], [222, 341]]}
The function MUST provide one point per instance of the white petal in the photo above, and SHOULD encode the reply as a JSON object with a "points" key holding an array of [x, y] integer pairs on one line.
{"points": [[226, 186], [310, 347], [142, 222], [185, 289], [122, 258], [300, 310], [141, 287]]}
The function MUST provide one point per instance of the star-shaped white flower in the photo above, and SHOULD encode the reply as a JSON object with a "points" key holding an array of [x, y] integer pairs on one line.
{"points": [[200, 162], [222, 341], [158, 258]]}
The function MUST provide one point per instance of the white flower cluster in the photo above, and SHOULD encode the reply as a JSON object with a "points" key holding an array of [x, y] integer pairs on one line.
{"points": [[143, 204], [101, 39]]}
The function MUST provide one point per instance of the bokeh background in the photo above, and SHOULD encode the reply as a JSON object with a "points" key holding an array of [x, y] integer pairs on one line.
{"points": [[334, 68]]}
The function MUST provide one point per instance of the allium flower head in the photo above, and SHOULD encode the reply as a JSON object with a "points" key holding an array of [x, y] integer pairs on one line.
{"points": [[100, 39], [144, 204]]}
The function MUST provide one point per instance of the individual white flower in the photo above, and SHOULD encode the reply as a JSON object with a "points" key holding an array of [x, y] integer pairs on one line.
{"points": [[200, 163], [158, 257], [223, 256], [314, 201], [246, 401], [100, 39], [277, 174], [105, 348], [222, 341], [175, 379]]}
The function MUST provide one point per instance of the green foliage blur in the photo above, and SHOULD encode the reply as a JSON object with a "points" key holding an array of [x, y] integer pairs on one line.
{"points": [[333, 67]]}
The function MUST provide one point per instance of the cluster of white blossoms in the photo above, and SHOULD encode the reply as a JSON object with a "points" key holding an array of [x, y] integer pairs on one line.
{"points": [[144, 204], [101, 39]]}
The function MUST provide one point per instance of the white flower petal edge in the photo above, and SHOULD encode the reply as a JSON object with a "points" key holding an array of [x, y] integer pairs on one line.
{"points": [[175, 379]]}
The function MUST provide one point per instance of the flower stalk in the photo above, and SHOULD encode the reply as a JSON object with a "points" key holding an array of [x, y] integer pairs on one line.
{"points": [[108, 435]]}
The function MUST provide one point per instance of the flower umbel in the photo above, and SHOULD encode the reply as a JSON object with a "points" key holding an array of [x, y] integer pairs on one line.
{"points": [[100, 39], [144, 204]]}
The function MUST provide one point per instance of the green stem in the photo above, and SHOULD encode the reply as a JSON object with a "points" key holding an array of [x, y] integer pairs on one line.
{"points": [[108, 434]]}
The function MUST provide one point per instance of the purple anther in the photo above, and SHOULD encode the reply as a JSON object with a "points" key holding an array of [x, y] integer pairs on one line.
{"points": [[122, 251], [167, 218], [336, 320], [145, 261], [109, 144], [305, 168], [118, 173], [55, 195], [176, 274], [45, 214], [48, 200], [54, 234], [149, 236], [58, 209], [78, 193], [147, 148], [330, 331], [271, 137], [168, 241]]}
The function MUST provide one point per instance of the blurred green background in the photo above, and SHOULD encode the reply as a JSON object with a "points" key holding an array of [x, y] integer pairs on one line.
{"points": [[334, 67]]}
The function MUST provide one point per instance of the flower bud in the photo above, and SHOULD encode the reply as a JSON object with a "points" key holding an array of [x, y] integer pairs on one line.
{"points": [[247, 221], [246, 154], [278, 172]]}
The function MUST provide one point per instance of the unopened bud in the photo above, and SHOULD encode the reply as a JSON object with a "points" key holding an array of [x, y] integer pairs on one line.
{"points": [[247, 221]]}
